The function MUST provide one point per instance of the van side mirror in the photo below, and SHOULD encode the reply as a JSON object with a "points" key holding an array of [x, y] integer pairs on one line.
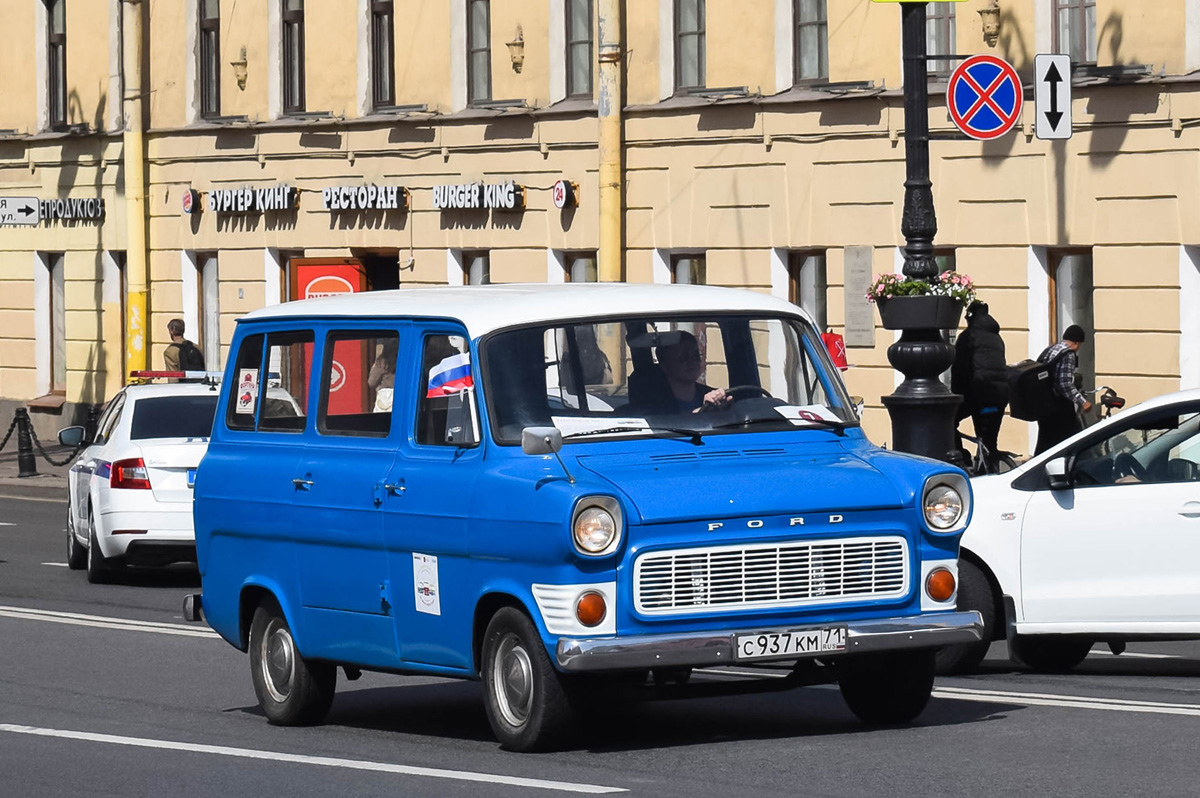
{"points": [[859, 404], [71, 436], [541, 440], [1058, 474]]}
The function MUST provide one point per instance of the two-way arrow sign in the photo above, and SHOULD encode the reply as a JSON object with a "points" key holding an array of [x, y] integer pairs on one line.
{"points": [[24, 211], [1052, 96]]}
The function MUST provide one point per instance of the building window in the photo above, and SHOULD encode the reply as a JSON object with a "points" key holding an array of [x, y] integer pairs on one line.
{"points": [[689, 44], [209, 311], [812, 41], [1071, 302], [581, 267], [579, 48], [210, 58], [1075, 29], [940, 36], [56, 53], [58, 321], [807, 286], [383, 39], [293, 56], [689, 270], [479, 51], [477, 268]]}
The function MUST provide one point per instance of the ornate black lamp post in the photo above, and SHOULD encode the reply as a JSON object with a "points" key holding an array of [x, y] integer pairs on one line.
{"points": [[922, 408]]}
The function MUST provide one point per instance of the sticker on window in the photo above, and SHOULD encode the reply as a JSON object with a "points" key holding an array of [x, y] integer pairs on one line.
{"points": [[808, 413], [425, 580], [247, 391]]}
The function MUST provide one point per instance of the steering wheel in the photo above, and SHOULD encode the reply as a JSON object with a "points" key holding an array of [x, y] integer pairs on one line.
{"points": [[1126, 465], [755, 389]]}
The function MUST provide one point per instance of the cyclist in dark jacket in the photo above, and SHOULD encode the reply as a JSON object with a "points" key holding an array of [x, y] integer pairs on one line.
{"points": [[980, 376]]}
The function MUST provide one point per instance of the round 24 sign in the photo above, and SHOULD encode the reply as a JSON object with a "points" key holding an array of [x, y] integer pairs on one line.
{"points": [[984, 96]]}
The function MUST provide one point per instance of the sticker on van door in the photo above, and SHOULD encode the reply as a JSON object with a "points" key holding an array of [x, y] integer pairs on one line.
{"points": [[247, 391], [425, 579]]}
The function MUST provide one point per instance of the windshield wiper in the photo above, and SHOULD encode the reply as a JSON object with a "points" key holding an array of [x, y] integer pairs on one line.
{"points": [[694, 434], [839, 427]]}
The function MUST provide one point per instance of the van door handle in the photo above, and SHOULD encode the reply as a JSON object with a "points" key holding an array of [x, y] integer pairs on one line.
{"points": [[302, 484], [395, 489], [1190, 510]]}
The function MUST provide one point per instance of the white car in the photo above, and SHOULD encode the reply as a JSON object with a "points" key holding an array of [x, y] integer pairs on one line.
{"points": [[1095, 541], [130, 491]]}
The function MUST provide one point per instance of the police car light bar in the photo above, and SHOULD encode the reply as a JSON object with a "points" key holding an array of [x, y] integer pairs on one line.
{"points": [[212, 376]]}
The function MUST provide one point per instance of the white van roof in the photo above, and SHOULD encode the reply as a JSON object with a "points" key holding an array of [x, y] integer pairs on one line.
{"points": [[485, 308]]}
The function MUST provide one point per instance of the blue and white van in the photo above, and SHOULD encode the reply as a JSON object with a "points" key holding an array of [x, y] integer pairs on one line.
{"points": [[555, 489]]}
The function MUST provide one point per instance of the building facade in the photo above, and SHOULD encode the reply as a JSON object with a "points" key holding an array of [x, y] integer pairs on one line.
{"points": [[456, 141]]}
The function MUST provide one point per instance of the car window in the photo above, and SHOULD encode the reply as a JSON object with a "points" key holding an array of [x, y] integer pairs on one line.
{"points": [[108, 421], [284, 392], [173, 417], [446, 414], [357, 383], [244, 399], [1162, 446]]}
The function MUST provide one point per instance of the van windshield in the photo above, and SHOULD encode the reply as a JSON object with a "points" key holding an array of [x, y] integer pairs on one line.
{"points": [[640, 376]]}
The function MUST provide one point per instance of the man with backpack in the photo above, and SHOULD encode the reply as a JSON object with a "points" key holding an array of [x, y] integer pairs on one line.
{"points": [[182, 354], [1061, 419]]}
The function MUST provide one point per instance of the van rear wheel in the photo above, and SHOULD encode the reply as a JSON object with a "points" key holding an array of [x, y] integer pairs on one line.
{"points": [[527, 704], [290, 690]]}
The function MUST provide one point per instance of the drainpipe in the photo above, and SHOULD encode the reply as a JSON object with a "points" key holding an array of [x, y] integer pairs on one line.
{"points": [[612, 253], [134, 153]]}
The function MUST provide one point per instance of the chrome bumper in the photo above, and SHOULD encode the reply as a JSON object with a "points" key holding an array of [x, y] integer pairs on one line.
{"points": [[933, 630]]}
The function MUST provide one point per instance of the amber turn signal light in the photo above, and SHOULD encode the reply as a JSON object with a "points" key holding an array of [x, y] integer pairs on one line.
{"points": [[591, 609], [940, 584]]}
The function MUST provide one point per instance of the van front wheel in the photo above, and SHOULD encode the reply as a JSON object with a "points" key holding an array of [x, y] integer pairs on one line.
{"points": [[290, 690], [527, 705], [885, 689]]}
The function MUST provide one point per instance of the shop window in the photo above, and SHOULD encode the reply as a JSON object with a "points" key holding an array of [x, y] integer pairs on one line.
{"points": [[479, 51], [357, 383], [1075, 30], [210, 58], [807, 285], [284, 394], [689, 269], [56, 53], [477, 268], [812, 41], [581, 267], [293, 56], [383, 41], [244, 401], [940, 39], [579, 48], [689, 44], [446, 414]]}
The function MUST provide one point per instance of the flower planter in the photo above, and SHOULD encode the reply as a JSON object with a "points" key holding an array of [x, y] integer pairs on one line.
{"points": [[926, 312]]}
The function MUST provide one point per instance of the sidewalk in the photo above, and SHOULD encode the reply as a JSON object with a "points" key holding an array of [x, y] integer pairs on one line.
{"points": [[50, 482]]}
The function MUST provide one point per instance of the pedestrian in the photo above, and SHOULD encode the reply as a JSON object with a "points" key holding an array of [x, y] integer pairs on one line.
{"points": [[181, 354], [1062, 420], [980, 376], [382, 376]]}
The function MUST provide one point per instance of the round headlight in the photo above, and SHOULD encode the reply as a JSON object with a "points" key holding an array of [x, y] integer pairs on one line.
{"points": [[595, 530], [943, 507]]}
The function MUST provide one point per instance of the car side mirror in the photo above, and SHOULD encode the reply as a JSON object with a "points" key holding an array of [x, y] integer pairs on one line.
{"points": [[1058, 473], [72, 436], [541, 440]]}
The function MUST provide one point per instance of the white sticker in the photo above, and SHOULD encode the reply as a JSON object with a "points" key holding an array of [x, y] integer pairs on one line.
{"points": [[573, 425], [425, 581], [802, 416], [247, 391]]}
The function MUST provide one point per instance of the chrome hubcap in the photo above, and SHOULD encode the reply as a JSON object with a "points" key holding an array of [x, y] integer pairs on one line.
{"points": [[512, 680], [278, 661]]}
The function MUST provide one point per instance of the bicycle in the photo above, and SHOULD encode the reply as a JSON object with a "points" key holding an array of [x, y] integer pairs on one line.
{"points": [[982, 464], [1108, 401]]}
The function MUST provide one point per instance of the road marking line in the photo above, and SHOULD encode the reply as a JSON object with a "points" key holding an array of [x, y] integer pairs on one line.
{"points": [[1135, 655], [55, 564], [9, 496], [758, 674], [5, 523], [322, 761], [1073, 702], [99, 622]]}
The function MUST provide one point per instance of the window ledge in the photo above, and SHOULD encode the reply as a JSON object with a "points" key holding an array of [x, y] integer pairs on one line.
{"points": [[570, 105], [50, 403]]}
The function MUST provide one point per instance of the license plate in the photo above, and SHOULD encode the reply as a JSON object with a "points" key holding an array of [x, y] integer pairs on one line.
{"points": [[191, 477], [791, 644]]}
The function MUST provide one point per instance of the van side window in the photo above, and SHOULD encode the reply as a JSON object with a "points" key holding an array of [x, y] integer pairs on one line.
{"points": [[357, 380], [447, 414], [244, 400], [285, 390]]}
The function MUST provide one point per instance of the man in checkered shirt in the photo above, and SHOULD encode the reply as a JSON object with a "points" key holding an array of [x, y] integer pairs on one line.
{"points": [[1063, 419]]}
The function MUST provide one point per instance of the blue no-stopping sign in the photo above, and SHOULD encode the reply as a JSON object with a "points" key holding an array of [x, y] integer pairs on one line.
{"points": [[984, 96]]}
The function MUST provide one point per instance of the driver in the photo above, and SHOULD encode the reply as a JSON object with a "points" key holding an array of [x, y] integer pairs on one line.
{"points": [[681, 364]]}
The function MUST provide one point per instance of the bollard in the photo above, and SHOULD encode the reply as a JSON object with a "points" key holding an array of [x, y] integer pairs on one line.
{"points": [[25, 461]]}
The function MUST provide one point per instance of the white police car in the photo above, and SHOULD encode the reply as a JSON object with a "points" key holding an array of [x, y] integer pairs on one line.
{"points": [[130, 491]]}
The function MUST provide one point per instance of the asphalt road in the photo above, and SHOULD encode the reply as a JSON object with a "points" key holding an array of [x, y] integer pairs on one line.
{"points": [[104, 690]]}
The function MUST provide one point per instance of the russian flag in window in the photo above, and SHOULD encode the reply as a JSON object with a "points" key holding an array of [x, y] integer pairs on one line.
{"points": [[452, 375]]}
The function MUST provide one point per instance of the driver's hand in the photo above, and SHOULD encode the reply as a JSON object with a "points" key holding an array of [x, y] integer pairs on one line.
{"points": [[716, 399], [1087, 405]]}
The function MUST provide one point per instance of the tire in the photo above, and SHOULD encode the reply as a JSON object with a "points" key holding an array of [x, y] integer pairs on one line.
{"points": [[889, 688], [974, 593], [290, 690], [98, 570], [76, 554], [1049, 653], [525, 698]]}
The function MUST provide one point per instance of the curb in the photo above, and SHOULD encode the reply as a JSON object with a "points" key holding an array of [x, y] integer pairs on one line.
{"points": [[33, 488]]}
